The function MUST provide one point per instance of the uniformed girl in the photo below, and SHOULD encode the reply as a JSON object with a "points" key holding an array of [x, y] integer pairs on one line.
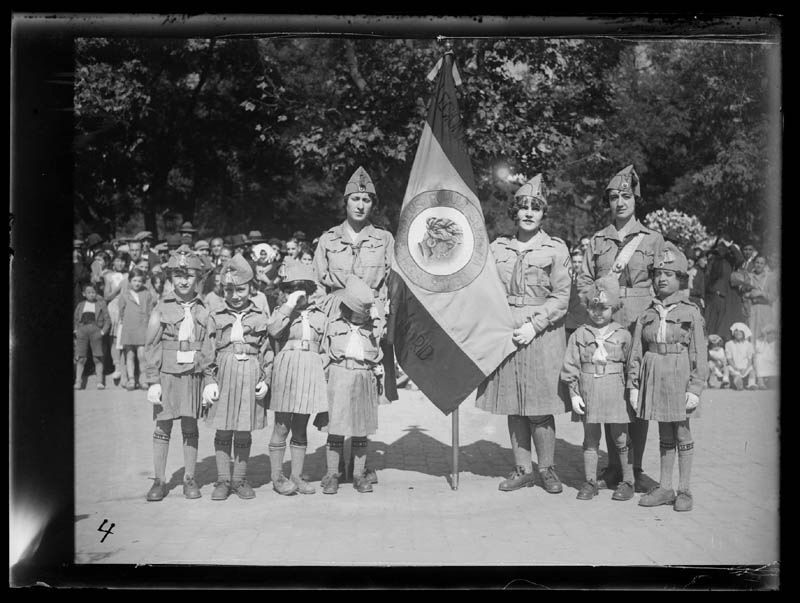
{"points": [[625, 249], [357, 247], [354, 382], [298, 380], [667, 371], [594, 370], [174, 363], [534, 270], [238, 379]]}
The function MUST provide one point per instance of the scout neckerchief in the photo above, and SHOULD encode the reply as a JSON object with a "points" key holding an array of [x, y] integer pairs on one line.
{"points": [[517, 282], [661, 334], [185, 333], [306, 326], [237, 334], [600, 355], [355, 346], [355, 245]]}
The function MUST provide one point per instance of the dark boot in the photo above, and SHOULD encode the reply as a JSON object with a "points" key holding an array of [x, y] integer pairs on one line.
{"points": [[330, 484], [642, 481], [517, 479], [550, 481], [158, 491], [588, 491], [303, 487], [221, 490], [283, 485], [683, 502], [243, 489], [624, 491], [190, 489], [657, 496], [361, 483]]}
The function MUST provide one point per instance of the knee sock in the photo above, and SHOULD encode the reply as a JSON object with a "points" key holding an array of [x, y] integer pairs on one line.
{"points": [[667, 450], [359, 456], [298, 453], [624, 459], [160, 449], [189, 452], [334, 454], [241, 447], [544, 440], [685, 454], [590, 464], [222, 451], [276, 453]]}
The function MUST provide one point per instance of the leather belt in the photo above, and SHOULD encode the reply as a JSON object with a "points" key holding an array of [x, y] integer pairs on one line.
{"points": [[182, 346], [665, 348], [602, 369], [301, 344], [240, 348], [525, 300], [635, 292], [353, 365]]}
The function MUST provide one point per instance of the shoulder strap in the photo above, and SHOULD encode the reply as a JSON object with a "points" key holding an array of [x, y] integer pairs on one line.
{"points": [[626, 253]]}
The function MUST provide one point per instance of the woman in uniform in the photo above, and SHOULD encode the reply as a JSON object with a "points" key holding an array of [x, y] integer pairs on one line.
{"points": [[627, 249], [534, 269]]}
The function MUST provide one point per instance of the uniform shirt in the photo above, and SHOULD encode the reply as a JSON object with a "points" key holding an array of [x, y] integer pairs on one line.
{"points": [[286, 324], [581, 349], [255, 335], [338, 337], [684, 326], [164, 326], [546, 275], [601, 254], [368, 257]]}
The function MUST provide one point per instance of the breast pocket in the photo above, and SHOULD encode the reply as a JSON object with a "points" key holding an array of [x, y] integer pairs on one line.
{"points": [[641, 261], [604, 257], [371, 254], [538, 269]]}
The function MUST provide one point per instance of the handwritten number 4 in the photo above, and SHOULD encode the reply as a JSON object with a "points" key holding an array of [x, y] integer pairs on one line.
{"points": [[108, 531]]}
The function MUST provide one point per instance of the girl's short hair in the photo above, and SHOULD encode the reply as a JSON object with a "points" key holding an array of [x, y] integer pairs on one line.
{"points": [[137, 272], [306, 248], [519, 202], [372, 196], [121, 255], [683, 278]]}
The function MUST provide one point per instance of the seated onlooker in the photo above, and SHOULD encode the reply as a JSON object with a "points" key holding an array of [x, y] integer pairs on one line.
{"points": [[306, 254], [766, 358], [717, 363], [739, 352]]}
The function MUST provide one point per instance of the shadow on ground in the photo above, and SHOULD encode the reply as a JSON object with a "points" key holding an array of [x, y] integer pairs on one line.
{"points": [[414, 451]]}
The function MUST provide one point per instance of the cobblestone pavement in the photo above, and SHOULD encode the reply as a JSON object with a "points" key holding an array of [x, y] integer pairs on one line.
{"points": [[413, 516]]}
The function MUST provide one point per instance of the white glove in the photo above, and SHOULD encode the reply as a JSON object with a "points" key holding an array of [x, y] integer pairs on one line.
{"points": [[294, 297], [261, 390], [210, 393], [634, 398], [578, 405], [524, 335], [374, 314], [154, 393], [692, 400]]}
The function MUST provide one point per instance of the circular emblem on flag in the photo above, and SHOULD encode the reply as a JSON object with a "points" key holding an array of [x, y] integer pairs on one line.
{"points": [[441, 242]]}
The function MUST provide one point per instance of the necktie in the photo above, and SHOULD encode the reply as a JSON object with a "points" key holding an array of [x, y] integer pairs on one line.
{"points": [[355, 347], [186, 330], [661, 335], [306, 325], [600, 355], [517, 283]]}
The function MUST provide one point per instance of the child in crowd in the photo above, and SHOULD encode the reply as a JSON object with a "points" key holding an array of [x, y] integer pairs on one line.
{"points": [[298, 379], [766, 357], [717, 363], [739, 352], [116, 281], [135, 305], [667, 370], [306, 254], [91, 322], [352, 343], [594, 370], [238, 378], [177, 352]]}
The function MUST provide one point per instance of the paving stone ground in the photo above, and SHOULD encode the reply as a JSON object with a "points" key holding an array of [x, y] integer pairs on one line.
{"points": [[413, 517]]}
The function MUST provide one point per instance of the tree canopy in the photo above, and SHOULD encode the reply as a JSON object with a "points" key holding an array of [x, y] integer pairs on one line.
{"points": [[240, 134]]}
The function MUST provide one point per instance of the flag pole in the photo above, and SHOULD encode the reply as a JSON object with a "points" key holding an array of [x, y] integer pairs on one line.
{"points": [[454, 483]]}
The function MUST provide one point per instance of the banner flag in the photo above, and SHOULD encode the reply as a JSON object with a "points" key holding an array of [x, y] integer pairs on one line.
{"points": [[449, 319]]}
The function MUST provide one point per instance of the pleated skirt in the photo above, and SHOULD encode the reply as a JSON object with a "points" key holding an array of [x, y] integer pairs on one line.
{"points": [[181, 396], [662, 388], [604, 397], [237, 408], [527, 382], [353, 402], [298, 383]]}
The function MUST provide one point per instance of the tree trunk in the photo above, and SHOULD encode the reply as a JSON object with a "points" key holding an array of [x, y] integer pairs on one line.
{"points": [[352, 65]]}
